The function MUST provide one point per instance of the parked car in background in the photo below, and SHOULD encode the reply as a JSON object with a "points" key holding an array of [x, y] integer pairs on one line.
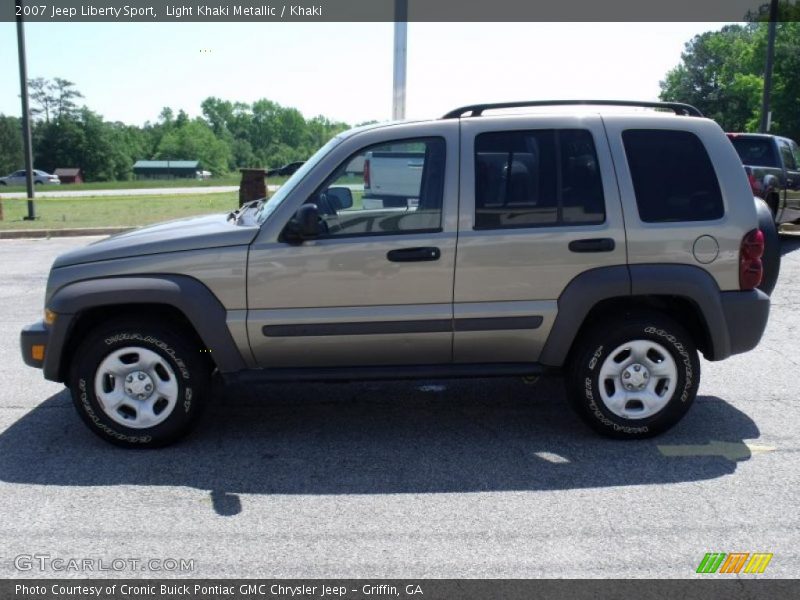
{"points": [[772, 164], [39, 178], [285, 170]]}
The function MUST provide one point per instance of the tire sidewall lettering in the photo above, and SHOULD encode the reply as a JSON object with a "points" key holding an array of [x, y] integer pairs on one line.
{"points": [[594, 405], [95, 419], [90, 405], [149, 339], [684, 358]]}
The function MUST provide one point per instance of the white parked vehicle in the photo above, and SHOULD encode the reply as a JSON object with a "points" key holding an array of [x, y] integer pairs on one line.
{"points": [[392, 178], [39, 177]]}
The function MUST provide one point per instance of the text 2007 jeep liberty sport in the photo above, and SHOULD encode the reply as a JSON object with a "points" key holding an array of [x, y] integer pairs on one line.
{"points": [[614, 244]]}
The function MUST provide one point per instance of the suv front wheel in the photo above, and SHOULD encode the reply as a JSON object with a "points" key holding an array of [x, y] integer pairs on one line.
{"points": [[138, 383], [634, 377]]}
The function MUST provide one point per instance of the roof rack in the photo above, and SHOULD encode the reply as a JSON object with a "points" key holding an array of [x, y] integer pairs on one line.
{"points": [[477, 109]]}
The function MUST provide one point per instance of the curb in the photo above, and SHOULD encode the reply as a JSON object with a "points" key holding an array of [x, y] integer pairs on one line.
{"points": [[14, 234]]}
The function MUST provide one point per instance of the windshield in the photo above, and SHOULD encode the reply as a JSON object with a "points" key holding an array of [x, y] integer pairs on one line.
{"points": [[268, 207]]}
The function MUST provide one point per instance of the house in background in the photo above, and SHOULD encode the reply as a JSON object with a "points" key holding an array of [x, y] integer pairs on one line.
{"points": [[69, 175], [166, 169]]}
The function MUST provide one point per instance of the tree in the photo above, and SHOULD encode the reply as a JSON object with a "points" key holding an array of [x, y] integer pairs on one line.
{"points": [[228, 136], [54, 98], [721, 72], [65, 95], [11, 149], [41, 96], [195, 141]]}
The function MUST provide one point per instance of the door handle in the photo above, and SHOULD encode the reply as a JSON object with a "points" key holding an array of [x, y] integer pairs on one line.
{"points": [[414, 254], [592, 245]]}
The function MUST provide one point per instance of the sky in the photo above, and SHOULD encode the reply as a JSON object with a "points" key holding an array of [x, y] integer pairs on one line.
{"points": [[128, 71]]}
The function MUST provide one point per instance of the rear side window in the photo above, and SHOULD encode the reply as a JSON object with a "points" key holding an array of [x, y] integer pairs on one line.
{"points": [[756, 152], [537, 178], [673, 177]]}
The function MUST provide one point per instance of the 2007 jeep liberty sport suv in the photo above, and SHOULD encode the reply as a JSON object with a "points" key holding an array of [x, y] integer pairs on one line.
{"points": [[611, 243]]}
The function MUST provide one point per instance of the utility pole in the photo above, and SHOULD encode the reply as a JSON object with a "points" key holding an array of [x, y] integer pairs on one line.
{"points": [[400, 55], [26, 113], [765, 112]]}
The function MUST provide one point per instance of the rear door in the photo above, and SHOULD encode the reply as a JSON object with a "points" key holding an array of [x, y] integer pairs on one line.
{"points": [[539, 206]]}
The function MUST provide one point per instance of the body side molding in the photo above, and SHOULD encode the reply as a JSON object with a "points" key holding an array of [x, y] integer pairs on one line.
{"points": [[415, 326]]}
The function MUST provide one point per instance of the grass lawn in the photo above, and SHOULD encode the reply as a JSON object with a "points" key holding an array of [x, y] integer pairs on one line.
{"points": [[112, 211], [234, 179]]}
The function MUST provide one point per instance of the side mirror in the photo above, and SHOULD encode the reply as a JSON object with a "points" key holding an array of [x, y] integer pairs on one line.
{"points": [[304, 225], [340, 197]]}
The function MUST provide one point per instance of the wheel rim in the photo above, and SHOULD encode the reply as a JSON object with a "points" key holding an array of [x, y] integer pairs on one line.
{"points": [[638, 379], [136, 387]]}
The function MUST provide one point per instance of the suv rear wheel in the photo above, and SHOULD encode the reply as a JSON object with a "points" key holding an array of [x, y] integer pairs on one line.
{"points": [[138, 383], [634, 377]]}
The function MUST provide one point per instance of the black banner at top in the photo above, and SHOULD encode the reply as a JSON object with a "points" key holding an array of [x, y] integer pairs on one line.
{"points": [[150, 11]]}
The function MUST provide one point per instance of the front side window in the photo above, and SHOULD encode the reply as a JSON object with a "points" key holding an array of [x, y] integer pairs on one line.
{"points": [[537, 178], [788, 157], [796, 152], [673, 178], [389, 188]]}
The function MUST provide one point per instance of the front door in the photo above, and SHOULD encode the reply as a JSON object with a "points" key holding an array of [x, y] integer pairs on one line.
{"points": [[791, 159], [376, 286]]}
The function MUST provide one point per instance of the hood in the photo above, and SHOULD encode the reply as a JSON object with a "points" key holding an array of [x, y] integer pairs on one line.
{"points": [[209, 231]]}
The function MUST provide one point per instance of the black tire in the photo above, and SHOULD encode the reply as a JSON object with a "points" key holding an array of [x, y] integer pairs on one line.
{"points": [[772, 247], [598, 343], [190, 370], [772, 205]]}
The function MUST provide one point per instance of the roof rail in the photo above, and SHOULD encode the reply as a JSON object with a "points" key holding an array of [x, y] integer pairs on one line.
{"points": [[477, 109]]}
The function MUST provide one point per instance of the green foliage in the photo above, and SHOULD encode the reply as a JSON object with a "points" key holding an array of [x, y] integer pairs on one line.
{"points": [[721, 72], [11, 149], [54, 98], [228, 136], [265, 133], [194, 140]]}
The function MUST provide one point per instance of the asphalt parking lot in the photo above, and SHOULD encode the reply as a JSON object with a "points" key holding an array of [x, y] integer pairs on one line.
{"points": [[436, 479]]}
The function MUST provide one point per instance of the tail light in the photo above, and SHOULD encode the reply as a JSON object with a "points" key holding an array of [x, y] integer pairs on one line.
{"points": [[366, 172], [750, 252], [755, 186]]}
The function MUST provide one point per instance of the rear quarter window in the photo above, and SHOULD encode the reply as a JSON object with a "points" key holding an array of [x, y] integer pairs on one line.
{"points": [[673, 177]]}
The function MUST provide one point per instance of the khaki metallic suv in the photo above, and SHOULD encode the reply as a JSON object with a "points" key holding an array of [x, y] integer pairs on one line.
{"points": [[609, 244]]}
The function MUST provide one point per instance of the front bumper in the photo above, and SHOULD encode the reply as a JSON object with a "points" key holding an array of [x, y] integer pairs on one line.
{"points": [[33, 342]]}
